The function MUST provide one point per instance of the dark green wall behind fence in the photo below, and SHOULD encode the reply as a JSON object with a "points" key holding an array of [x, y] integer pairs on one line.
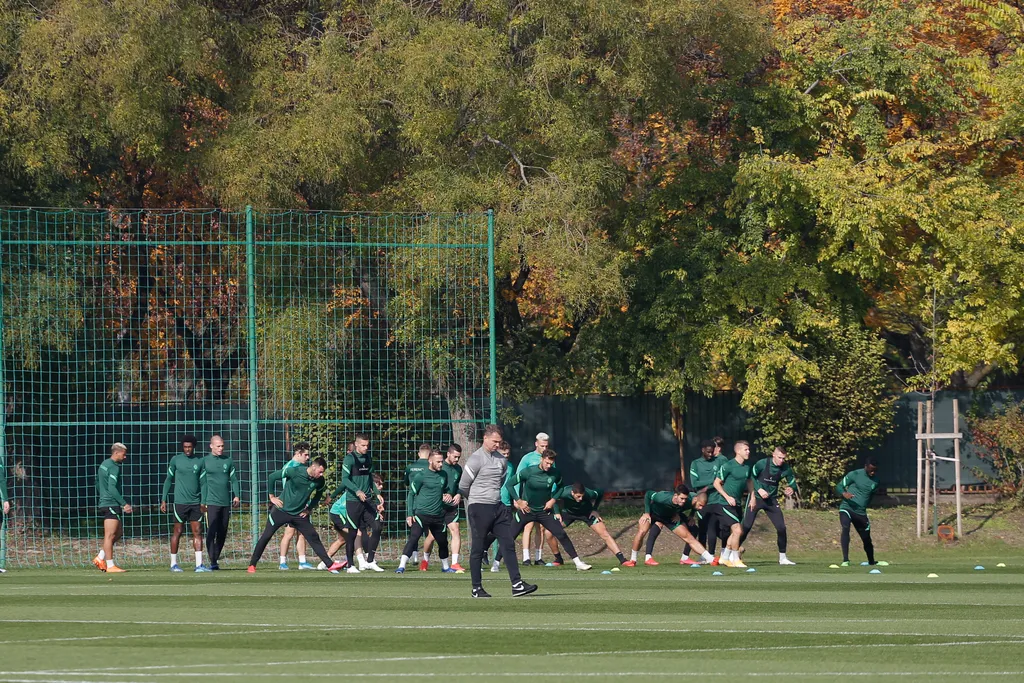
{"points": [[626, 443]]}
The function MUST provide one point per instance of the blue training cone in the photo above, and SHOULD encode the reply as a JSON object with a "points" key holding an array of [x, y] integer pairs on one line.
{"points": [[607, 572], [864, 564], [875, 571], [751, 570], [979, 567], [716, 574]]}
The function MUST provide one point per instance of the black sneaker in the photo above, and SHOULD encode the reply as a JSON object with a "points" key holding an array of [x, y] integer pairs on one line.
{"points": [[522, 588], [481, 593], [525, 563]]}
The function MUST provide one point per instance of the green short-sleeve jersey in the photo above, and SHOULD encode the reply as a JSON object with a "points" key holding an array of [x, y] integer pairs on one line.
{"points": [[734, 478]]}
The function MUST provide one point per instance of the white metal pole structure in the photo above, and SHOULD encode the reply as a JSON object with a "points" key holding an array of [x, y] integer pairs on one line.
{"points": [[929, 461], [920, 469]]}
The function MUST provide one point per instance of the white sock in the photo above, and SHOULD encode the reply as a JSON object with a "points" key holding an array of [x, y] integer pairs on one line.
{"points": [[199, 558], [302, 559], [426, 558], [174, 558], [103, 554], [782, 556], [707, 557], [526, 554], [455, 558], [683, 556], [360, 557], [632, 555], [110, 562], [724, 556], [415, 556], [647, 557], [444, 564], [578, 561], [284, 560], [734, 556], [537, 554], [401, 562]]}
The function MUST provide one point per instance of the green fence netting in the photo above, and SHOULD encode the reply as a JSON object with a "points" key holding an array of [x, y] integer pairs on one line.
{"points": [[268, 328]]}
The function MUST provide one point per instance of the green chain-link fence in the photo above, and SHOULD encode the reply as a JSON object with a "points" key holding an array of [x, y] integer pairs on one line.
{"points": [[268, 328]]}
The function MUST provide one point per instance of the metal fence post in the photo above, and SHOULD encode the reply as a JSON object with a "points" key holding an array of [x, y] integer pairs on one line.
{"points": [[254, 447], [3, 408], [490, 324]]}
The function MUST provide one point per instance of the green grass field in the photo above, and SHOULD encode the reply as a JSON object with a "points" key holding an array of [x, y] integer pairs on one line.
{"points": [[806, 622]]}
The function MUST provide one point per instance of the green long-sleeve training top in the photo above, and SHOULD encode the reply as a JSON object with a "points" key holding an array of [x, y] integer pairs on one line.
{"points": [[702, 472], [862, 486], [218, 480], [427, 488], [108, 484], [183, 473], [591, 500], [769, 476], [535, 486], [659, 503], [300, 490]]}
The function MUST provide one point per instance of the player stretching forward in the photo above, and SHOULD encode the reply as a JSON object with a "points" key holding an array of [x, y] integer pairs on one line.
{"points": [[532, 492], [111, 504], [452, 468], [732, 481], [702, 479], [532, 459], [415, 467], [183, 472], [219, 488], [856, 488], [363, 502], [300, 458], [303, 488], [667, 508], [767, 474], [425, 510], [579, 504]]}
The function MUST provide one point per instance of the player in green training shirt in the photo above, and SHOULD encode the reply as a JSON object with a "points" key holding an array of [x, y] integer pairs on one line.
{"points": [[363, 503], [415, 467], [667, 509], [702, 480], [219, 492], [856, 489], [425, 510], [183, 474], [111, 503], [732, 483], [579, 504], [300, 458], [453, 469], [303, 489], [532, 459], [768, 474], [532, 492], [5, 502]]}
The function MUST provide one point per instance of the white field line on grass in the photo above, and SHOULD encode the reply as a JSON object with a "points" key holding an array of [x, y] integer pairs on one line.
{"points": [[143, 671], [487, 674], [254, 629]]}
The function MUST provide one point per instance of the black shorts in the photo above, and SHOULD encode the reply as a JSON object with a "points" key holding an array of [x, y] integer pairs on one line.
{"points": [[339, 523], [669, 524], [187, 513], [362, 514], [568, 519], [451, 516], [111, 513], [727, 514]]}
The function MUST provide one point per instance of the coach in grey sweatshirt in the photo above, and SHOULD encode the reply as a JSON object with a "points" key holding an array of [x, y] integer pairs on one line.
{"points": [[488, 519]]}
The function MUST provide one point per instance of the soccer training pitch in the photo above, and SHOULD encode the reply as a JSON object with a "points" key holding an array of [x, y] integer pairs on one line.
{"points": [[802, 623]]}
